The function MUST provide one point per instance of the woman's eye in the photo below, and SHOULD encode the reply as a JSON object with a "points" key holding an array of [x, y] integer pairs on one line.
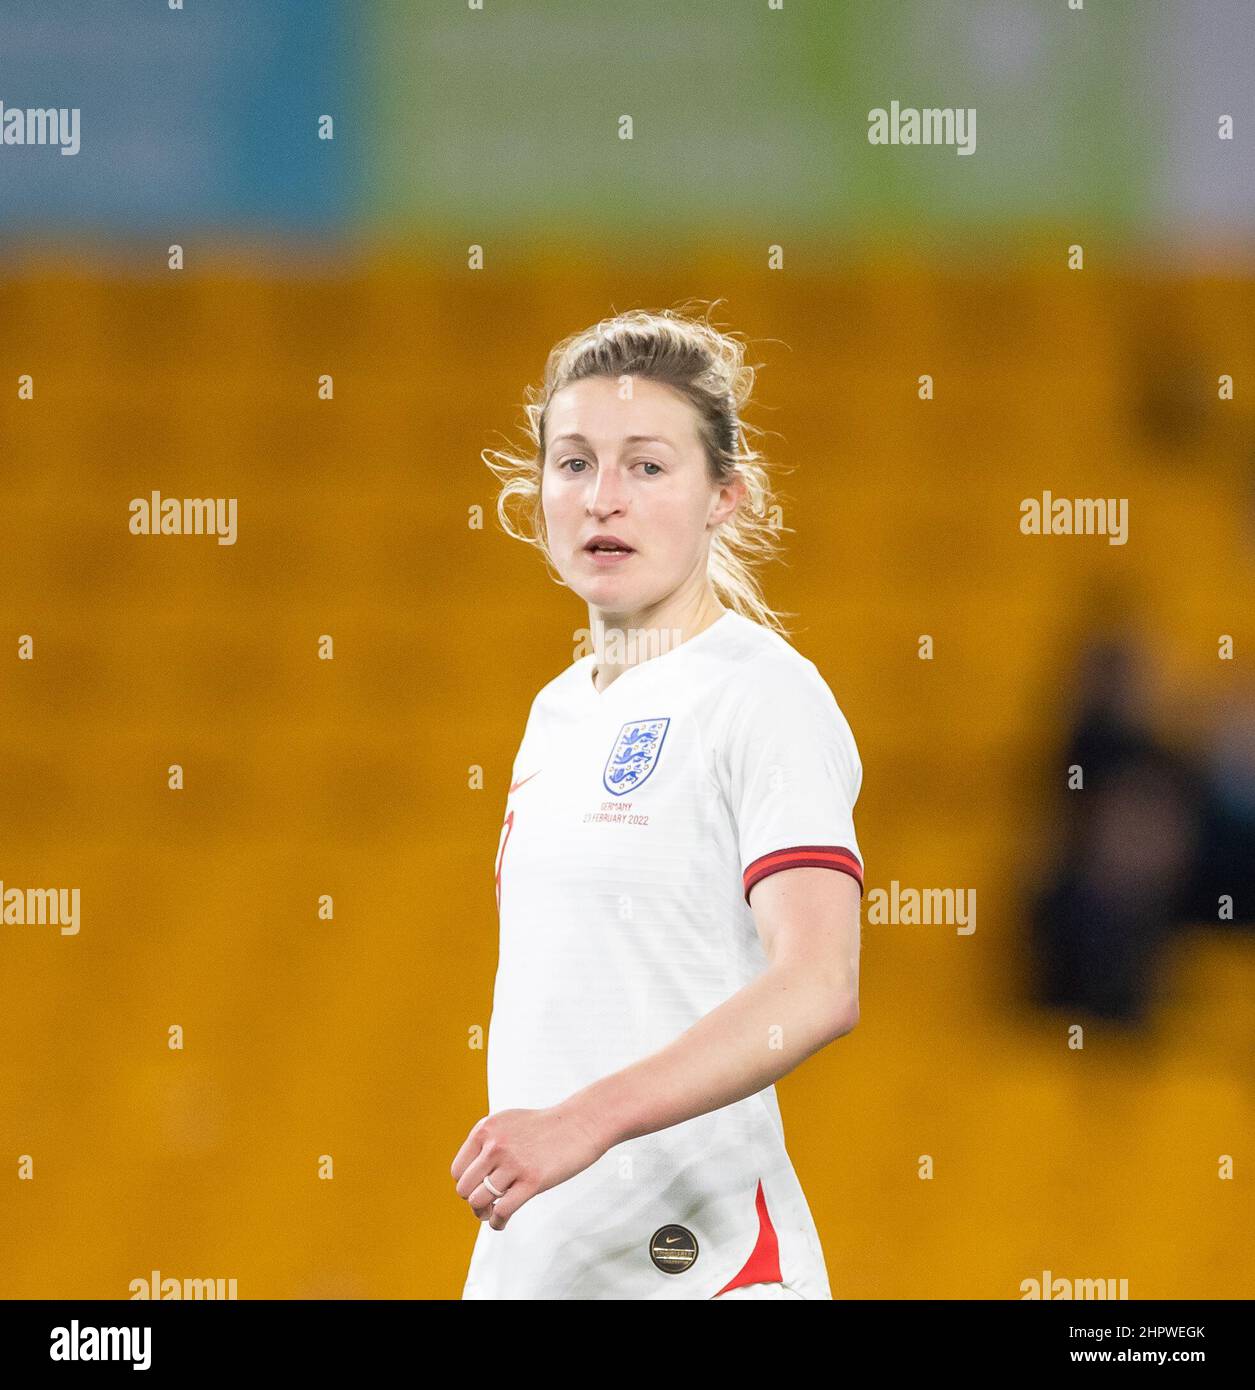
{"points": [[578, 465]]}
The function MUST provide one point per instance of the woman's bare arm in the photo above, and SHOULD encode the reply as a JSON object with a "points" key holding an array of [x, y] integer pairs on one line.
{"points": [[808, 919]]}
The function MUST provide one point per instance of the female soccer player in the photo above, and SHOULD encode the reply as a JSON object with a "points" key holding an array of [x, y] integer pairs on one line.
{"points": [[673, 936]]}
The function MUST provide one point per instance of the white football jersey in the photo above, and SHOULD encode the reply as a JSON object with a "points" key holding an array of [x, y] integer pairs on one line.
{"points": [[637, 821]]}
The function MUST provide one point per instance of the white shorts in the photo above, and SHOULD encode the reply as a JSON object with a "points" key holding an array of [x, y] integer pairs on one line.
{"points": [[761, 1291]]}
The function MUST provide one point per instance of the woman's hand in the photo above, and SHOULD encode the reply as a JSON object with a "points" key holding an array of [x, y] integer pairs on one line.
{"points": [[522, 1153]]}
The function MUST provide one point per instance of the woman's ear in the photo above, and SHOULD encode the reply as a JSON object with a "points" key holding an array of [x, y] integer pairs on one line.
{"points": [[728, 499]]}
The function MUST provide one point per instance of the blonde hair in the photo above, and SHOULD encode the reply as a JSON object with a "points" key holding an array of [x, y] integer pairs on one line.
{"points": [[707, 367]]}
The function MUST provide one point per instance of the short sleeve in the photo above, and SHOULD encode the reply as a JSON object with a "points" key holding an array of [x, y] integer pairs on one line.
{"points": [[791, 773]]}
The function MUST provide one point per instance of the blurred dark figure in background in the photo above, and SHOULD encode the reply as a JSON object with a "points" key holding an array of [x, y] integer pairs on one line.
{"points": [[1126, 850], [1223, 887]]}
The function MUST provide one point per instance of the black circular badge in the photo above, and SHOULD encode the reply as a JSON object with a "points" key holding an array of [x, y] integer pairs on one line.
{"points": [[673, 1249]]}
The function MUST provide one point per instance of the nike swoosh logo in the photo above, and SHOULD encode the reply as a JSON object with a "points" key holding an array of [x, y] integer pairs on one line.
{"points": [[528, 778], [671, 1240]]}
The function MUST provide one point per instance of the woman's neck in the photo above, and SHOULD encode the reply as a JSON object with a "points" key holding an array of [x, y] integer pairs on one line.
{"points": [[621, 641]]}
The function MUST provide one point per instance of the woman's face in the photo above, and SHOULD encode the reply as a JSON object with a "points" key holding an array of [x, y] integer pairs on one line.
{"points": [[634, 470]]}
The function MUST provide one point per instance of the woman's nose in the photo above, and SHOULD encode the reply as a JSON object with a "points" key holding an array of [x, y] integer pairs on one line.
{"points": [[607, 494]]}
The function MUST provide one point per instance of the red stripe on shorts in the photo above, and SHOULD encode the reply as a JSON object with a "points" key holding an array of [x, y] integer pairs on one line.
{"points": [[763, 1265]]}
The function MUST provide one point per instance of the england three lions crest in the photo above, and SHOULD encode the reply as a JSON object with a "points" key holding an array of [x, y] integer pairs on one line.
{"points": [[634, 755]]}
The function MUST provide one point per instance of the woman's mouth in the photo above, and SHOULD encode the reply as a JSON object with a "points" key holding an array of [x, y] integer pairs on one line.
{"points": [[606, 552]]}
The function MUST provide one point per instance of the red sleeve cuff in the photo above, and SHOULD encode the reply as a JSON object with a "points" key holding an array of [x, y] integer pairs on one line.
{"points": [[801, 857]]}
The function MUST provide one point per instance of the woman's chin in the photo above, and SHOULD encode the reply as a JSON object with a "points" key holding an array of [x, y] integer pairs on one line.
{"points": [[606, 590]]}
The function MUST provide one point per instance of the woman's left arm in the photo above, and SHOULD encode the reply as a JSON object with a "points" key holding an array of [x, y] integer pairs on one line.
{"points": [[808, 920]]}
